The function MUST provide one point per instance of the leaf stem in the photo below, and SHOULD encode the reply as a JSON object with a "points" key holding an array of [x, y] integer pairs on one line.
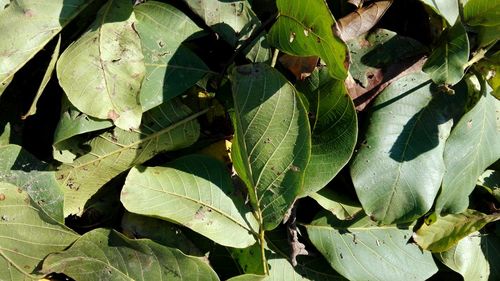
{"points": [[275, 57], [262, 242]]}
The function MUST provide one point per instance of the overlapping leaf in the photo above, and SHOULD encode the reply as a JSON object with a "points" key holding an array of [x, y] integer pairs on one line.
{"points": [[359, 250], [167, 127], [101, 73], [447, 61], [398, 169], [304, 28], [171, 68], [337, 203], [107, 255], [193, 191], [490, 180], [448, 230], [27, 234], [19, 167], [474, 256], [30, 24], [482, 12], [362, 20], [474, 144], [334, 129], [272, 139], [447, 9]]}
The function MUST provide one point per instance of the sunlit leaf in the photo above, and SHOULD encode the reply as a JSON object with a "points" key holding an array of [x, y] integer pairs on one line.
{"points": [[164, 128], [304, 28], [399, 167], [101, 73], [482, 12], [28, 25], [360, 250], [194, 191], [108, 255], [27, 235], [473, 145], [446, 231], [171, 68], [447, 61], [446, 8], [272, 139]]}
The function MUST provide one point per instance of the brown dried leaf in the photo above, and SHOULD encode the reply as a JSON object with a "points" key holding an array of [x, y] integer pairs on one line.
{"points": [[362, 20], [300, 67], [357, 3]]}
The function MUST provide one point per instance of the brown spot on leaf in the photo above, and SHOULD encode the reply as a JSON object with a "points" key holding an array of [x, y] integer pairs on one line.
{"points": [[2, 196], [113, 115]]}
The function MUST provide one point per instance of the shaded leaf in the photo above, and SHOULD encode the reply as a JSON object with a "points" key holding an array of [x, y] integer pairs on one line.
{"points": [[107, 255], [490, 180], [446, 63], [45, 80], [342, 207], [101, 73], [160, 231], [443, 234], [359, 250], [272, 139], [27, 235], [482, 12], [171, 68], [19, 167], [164, 128], [447, 9], [473, 145], [475, 257], [30, 24], [362, 20], [406, 133], [193, 191], [334, 129], [300, 67], [304, 28]]}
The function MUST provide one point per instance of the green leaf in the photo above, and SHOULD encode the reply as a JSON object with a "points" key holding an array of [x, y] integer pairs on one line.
{"points": [[443, 234], [272, 139], [171, 68], [160, 231], [475, 256], [5, 84], [304, 28], [45, 80], [337, 203], [359, 250], [248, 277], [73, 123], [334, 129], [398, 169], [30, 24], [473, 145], [11, 273], [101, 73], [107, 255], [490, 180], [194, 191], [27, 235], [446, 8], [19, 167], [447, 61], [482, 12], [164, 128]]}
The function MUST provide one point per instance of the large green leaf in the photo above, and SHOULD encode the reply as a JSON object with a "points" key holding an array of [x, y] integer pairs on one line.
{"points": [[473, 145], [334, 129], [359, 250], [19, 167], [446, 231], [447, 61], [171, 68], [475, 257], [194, 191], [107, 255], [272, 139], [101, 73], [305, 28], [27, 235], [398, 169], [482, 12], [30, 24], [446, 8], [11, 273], [167, 127]]}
